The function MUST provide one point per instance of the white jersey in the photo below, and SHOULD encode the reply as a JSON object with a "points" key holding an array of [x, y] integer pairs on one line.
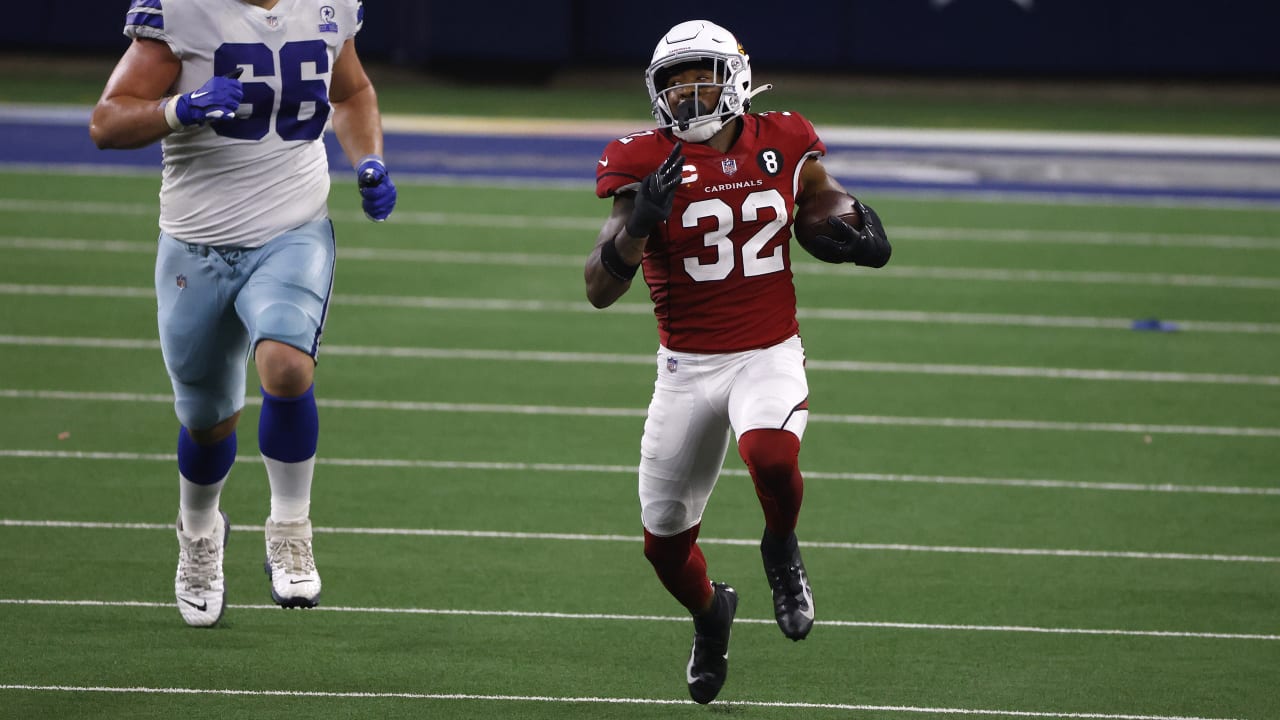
{"points": [[242, 182]]}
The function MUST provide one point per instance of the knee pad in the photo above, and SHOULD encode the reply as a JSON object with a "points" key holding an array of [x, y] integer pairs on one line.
{"points": [[282, 322], [201, 407], [666, 517], [197, 413]]}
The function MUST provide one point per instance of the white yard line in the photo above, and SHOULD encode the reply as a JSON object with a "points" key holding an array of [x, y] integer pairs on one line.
{"points": [[947, 627], [536, 356], [637, 308], [1088, 238], [515, 259], [581, 411], [595, 469], [592, 224], [740, 542], [611, 701]]}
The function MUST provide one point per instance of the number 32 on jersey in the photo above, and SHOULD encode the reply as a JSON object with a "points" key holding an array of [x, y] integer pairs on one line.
{"points": [[753, 262]]}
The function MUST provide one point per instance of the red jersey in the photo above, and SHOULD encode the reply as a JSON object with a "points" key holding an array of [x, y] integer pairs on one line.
{"points": [[719, 268]]}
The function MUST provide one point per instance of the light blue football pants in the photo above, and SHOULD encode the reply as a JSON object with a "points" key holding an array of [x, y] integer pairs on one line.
{"points": [[215, 304]]}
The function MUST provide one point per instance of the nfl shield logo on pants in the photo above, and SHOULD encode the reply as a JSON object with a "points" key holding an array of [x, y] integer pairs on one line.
{"points": [[671, 364]]}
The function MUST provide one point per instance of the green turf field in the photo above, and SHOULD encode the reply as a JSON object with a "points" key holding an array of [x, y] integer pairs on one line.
{"points": [[1016, 506]]}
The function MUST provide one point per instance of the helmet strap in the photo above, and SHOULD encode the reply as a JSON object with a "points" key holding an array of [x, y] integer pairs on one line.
{"points": [[757, 91]]}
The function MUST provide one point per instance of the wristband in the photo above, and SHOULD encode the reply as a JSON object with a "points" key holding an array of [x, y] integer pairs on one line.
{"points": [[367, 171], [614, 264], [171, 114]]}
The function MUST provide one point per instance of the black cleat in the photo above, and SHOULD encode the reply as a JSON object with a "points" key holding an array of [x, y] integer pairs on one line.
{"points": [[792, 598], [709, 658]]}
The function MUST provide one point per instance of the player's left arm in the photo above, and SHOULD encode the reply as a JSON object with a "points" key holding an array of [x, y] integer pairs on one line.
{"points": [[357, 123], [866, 245]]}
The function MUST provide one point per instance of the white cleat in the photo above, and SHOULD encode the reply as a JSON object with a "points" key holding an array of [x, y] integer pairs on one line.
{"points": [[199, 584], [291, 564]]}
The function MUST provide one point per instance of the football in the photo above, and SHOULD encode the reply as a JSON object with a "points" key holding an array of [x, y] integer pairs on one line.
{"points": [[811, 216]]}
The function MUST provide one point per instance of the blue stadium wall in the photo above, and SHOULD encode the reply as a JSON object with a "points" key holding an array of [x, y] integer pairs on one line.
{"points": [[1042, 38]]}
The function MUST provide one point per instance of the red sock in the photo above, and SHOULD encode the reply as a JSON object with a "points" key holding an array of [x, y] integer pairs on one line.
{"points": [[773, 457], [681, 567]]}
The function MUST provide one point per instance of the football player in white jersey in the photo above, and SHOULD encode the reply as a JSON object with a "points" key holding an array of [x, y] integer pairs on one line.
{"points": [[711, 226], [239, 92]]}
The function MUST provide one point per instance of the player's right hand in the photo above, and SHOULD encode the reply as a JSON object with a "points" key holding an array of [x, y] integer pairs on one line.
{"points": [[217, 99], [868, 246], [656, 194], [377, 192]]}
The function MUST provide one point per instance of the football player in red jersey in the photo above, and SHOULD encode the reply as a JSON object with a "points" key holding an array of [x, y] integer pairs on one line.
{"points": [[704, 203]]}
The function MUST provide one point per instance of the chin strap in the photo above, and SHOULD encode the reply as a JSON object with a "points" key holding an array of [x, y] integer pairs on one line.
{"points": [[746, 103]]}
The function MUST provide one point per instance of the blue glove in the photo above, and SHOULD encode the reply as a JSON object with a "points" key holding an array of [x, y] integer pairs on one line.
{"points": [[215, 100], [376, 188]]}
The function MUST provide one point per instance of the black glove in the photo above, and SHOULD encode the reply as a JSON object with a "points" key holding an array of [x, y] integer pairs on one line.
{"points": [[657, 192], [868, 246]]}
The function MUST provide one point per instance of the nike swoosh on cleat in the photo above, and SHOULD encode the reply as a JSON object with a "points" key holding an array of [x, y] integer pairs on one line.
{"points": [[298, 582], [202, 607], [688, 669], [808, 601]]}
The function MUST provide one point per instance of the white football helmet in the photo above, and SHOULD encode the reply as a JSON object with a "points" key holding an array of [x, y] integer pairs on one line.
{"points": [[699, 43]]}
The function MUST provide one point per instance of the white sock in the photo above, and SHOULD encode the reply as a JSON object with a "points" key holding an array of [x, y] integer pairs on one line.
{"points": [[290, 488], [198, 506]]}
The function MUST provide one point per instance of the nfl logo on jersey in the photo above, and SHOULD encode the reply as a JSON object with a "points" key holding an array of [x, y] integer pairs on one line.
{"points": [[729, 166]]}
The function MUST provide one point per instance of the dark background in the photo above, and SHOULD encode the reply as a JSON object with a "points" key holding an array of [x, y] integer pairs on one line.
{"points": [[508, 41]]}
